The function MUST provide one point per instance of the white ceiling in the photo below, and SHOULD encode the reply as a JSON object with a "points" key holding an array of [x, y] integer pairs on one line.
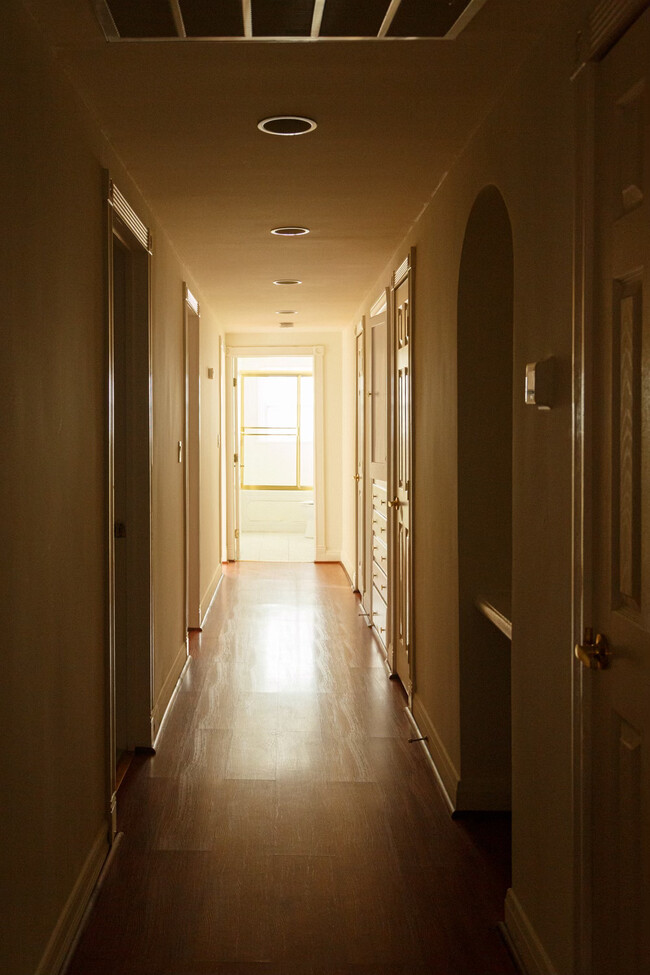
{"points": [[392, 115]]}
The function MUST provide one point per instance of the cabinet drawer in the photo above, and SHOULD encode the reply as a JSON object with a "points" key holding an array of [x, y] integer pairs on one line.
{"points": [[379, 615], [379, 497], [380, 581], [379, 524], [380, 555]]}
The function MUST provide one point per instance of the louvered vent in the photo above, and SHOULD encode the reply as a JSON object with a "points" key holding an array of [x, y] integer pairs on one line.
{"points": [[128, 215], [277, 19], [607, 23]]}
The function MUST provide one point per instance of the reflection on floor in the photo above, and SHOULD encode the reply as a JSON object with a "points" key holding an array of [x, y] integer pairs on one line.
{"points": [[285, 824], [275, 547]]}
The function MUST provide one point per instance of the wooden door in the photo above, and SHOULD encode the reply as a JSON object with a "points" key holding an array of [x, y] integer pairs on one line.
{"points": [[359, 475], [400, 504], [620, 693]]}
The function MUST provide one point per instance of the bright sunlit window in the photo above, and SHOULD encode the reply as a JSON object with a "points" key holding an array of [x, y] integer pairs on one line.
{"points": [[277, 431]]}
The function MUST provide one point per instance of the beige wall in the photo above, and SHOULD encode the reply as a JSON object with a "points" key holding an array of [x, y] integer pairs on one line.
{"points": [[525, 149], [210, 542], [53, 481], [337, 433], [348, 451], [53, 571]]}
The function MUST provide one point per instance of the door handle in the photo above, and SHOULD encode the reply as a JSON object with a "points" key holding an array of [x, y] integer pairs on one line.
{"points": [[395, 503], [357, 477], [593, 654]]}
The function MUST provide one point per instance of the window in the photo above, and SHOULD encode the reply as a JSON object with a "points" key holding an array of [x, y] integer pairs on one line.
{"points": [[277, 431]]}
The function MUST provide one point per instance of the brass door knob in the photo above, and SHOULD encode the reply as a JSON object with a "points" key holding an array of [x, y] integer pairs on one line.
{"points": [[593, 654], [395, 503], [357, 477]]}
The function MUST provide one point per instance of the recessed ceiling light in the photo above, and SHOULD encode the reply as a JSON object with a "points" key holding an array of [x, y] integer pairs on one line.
{"points": [[288, 281], [286, 311], [290, 231], [287, 125], [286, 324]]}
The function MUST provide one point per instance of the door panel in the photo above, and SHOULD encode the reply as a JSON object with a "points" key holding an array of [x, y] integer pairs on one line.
{"points": [[401, 501], [378, 473], [621, 508], [359, 475]]}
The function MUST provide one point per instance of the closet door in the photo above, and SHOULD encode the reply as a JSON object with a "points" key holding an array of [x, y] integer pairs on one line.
{"points": [[378, 469], [360, 581], [399, 504]]}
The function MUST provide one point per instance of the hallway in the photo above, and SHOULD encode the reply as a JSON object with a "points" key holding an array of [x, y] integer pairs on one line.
{"points": [[285, 824]]}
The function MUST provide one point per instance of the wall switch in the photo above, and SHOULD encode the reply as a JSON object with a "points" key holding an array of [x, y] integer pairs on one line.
{"points": [[540, 383]]}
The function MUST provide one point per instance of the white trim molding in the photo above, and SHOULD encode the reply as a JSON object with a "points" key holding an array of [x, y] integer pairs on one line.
{"points": [[65, 931], [317, 352], [167, 691], [445, 770], [527, 947], [211, 592]]}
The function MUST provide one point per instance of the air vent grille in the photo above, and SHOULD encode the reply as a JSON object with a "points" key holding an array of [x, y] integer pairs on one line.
{"points": [[126, 212], [277, 19], [607, 22]]}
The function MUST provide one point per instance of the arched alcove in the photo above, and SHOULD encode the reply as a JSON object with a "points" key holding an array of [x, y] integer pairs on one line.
{"points": [[485, 312]]}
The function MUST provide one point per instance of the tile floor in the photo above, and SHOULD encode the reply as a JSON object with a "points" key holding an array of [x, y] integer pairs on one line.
{"points": [[276, 547]]}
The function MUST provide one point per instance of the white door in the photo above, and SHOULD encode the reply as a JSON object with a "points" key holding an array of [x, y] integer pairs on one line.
{"points": [[401, 488], [359, 475], [232, 458], [620, 693], [192, 459]]}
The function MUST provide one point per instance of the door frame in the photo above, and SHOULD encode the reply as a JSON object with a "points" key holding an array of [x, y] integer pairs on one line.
{"points": [[192, 485], [233, 353], [598, 36], [360, 581], [122, 222], [405, 272]]}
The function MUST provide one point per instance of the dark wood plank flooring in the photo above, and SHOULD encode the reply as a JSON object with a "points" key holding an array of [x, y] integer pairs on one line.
{"points": [[285, 824]]}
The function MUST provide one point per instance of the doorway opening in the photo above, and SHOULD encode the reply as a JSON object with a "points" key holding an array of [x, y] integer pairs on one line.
{"points": [[485, 394], [275, 458], [129, 488], [192, 462]]}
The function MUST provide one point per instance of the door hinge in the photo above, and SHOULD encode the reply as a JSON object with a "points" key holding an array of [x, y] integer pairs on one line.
{"points": [[234, 382], [236, 532], [235, 458]]}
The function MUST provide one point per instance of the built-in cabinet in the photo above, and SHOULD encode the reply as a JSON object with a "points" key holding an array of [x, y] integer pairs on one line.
{"points": [[380, 559], [377, 558]]}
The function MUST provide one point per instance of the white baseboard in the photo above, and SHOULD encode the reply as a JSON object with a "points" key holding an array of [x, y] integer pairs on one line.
{"points": [[350, 572], [483, 795], [167, 691], [528, 949], [56, 952], [327, 555], [210, 593], [442, 763]]}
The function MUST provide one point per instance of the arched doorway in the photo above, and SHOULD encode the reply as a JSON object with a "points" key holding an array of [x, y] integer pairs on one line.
{"points": [[485, 312]]}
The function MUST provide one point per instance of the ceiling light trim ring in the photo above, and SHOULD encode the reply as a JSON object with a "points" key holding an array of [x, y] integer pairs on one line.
{"points": [[290, 231], [286, 281], [287, 125]]}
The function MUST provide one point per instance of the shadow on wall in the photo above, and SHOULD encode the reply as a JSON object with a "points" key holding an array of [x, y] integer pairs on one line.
{"points": [[485, 339]]}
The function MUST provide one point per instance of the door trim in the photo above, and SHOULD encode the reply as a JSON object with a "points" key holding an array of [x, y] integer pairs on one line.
{"points": [[192, 455], [122, 221], [318, 353], [360, 564], [403, 272], [606, 24]]}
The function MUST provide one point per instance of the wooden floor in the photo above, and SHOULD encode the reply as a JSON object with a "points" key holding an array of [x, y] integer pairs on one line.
{"points": [[285, 824]]}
